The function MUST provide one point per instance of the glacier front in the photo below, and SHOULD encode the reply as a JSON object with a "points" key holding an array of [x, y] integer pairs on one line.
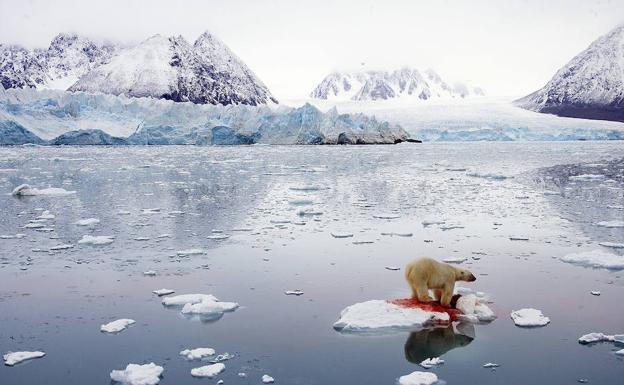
{"points": [[64, 118]]}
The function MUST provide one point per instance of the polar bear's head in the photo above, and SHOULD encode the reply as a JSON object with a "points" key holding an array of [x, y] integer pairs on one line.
{"points": [[464, 275]]}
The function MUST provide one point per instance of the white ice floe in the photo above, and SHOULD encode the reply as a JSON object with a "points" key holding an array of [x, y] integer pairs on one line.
{"points": [[87, 222], [149, 273], [12, 358], [474, 309], [27, 190], [529, 318], [429, 222], [595, 292], [209, 307], [456, 260], [393, 268], [386, 216], [135, 374], [208, 371], [117, 326], [294, 292], [377, 315], [418, 378], [96, 240], [197, 354], [620, 352], [613, 245], [341, 235], [187, 252], [266, 379], [595, 258], [600, 337], [611, 224], [431, 362], [490, 176], [183, 299], [491, 365], [518, 238], [46, 215], [161, 292], [218, 237]]}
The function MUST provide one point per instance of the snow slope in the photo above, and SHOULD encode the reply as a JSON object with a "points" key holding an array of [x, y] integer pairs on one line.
{"points": [[207, 72], [382, 85], [590, 86]]}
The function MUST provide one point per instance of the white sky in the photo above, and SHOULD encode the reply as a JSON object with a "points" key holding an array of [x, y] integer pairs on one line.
{"points": [[509, 47]]}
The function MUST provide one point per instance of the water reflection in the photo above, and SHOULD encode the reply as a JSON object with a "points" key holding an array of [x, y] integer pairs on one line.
{"points": [[431, 343]]}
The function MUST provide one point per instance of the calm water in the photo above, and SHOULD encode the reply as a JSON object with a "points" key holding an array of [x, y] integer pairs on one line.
{"points": [[56, 301]]}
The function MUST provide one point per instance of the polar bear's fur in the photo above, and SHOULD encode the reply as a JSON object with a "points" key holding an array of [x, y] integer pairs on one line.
{"points": [[424, 273]]}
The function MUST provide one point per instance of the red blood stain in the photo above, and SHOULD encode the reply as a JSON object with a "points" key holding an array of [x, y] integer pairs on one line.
{"points": [[428, 306]]}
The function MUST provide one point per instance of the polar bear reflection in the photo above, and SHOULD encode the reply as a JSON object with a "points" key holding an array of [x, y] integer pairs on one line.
{"points": [[431, 343]]}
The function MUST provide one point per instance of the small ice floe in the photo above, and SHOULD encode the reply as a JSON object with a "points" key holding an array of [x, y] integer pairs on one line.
{"points": [[208, 371], [46, 215], [162, 236], [596, 259], [386, 216], [27, 190], [187, 252], [518, 238], [341, 235], [279, 221], [600, 337], [150, 211], [161, 292], [217, 237], [446, 227], [300, 202], [197, 354], [309, 213], [455, 260], [87, 222], [529, 318], [613, 245], [375, 315], [96, 240], [620, 352], [64, 246], [117, 326], [183, 299], [397, 234], [595, 292], [266, 379], [209, 307], [135, 374], [307, 188], [393, 268], [473, 309], [34, 225], [611, 224], [222, 357], [12, 358], [429, 222], [490, 176], [491, 365], [141, 238], [418, 378], [431, 362], [294, 292], [149, 273]]}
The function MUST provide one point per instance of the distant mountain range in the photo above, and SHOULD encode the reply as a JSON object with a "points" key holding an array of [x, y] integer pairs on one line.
{"points": [[590, 86], [383, 85], [206, 72]]}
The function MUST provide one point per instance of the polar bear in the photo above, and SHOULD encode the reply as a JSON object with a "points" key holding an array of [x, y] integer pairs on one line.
{"points": [[424, 273]]}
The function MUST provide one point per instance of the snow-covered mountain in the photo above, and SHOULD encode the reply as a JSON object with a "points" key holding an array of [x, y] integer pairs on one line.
{"points": [[207, 72], [590, 86], [68, 57], [382, 85]]}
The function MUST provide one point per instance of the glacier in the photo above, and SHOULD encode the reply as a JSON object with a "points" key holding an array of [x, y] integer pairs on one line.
{"points": [[55, 117]]}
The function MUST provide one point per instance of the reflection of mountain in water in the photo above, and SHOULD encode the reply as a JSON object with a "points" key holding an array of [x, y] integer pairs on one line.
{"points": [[431, 343]]}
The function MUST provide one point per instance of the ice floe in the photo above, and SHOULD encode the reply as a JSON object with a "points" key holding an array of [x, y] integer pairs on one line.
{"points": [[595, 258], [455, 260], [187, 252], [341, 235], [473, 309], [149, 273], [266, 379], [294, 292], [135, 374], [418, 378], [490, 365], [208, 371], [529, 317], [12, 358], [87, 222], [46, 215], [611, 224], [613, 245], [96, 240], [600, 337], [197, 354], [209, 307], [490, 176], [63, 246], [183, 299], [161, 292], [117, 326], [431, 362], [595, 292], [27, 190], [386, 216]]}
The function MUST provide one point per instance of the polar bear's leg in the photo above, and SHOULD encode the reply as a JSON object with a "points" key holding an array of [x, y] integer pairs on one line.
{"points": [[422, 293], [437, 294], [447, 294]]}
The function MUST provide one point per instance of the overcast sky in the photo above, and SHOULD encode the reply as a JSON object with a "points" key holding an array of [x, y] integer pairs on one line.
{"points": [[509, 47]]}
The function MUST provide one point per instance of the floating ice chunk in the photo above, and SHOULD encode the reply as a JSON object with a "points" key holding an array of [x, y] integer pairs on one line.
{"points": [[62, 247], [208, 371], [600, 337], [529, 318], [429, 222], [266, 379], [150, 211], [620, 352], [12, 358], [222, 357], [187, 252], [386, 216], [595, 292], [491, 365], [595, 258], [518, 238], [46, 215], [308, 188], [183, 299], [342, 235], [135, 374], [456, 260], [117, 326], [218, 237], [27, 190], [418, 378], [587, 177], [88, 222], [197, 354], [473, 309], [161, 292], [379, 314], [431, 362], [96, 240], [611, 224], [613, 245], [393, 268], [300, 202], [149, 273], [397, 234], [490, 176], [209, 307], [294, 292], [34, 225], [308, 213]]}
